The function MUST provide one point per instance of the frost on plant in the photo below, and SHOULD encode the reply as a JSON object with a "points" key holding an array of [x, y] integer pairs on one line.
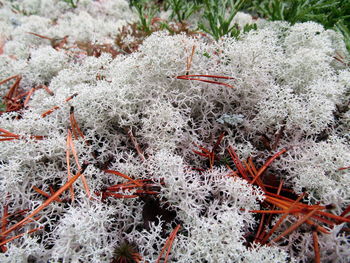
{"points": [[149, 138]]}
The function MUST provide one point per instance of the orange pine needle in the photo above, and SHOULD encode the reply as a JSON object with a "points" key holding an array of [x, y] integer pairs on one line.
{"points": [[48, 112], [38, 190], [316, 247], [201, 154], [13, 88], [46, 203], [121, 187], [11, 136], [168, 244], [260, 227], [124, 176], [74, 152], [209, 154], [136, 145], [8, 134], [338, 218], [9, 78], [69, 138], [30, 93], [238, 163], [75, 128], [205, 150], [4, 225], [268, 162], [189, 60], [206, 76], [219, 140], [279, 222], [323, 220], [6, 139], [41, 36], [4, 218], [286, 211], [52, 191], [285, 199], [279, 203], [295, 225], [252, 174], [14, 214], [128, 184], [20, 235], [346, 211], [47, 89], [250, 161], [198, 77], [20, 96], [276, 188], [279, 189], [119, 195]]}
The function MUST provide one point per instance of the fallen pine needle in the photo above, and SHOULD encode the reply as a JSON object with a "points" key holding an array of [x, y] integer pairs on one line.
{"points": [[9, 78], [268, 162], [295, 225], [74, 152], [199, 78], [20, 235], [124, 176], [69, 137], [279, 222], [48, 112], [47, 202], [168, 244], [316, 246]]}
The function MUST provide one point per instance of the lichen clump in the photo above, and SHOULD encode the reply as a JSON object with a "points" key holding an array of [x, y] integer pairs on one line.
{"points": [[286, 81]]}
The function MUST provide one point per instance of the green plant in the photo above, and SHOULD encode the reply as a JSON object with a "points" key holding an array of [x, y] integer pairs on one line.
{"points": [[219, 19], [2, 106], [20, 10], [146, 12], [182, 9], [72, 3], [236, 31], [345, 30], [331, 14], [322, 11]]}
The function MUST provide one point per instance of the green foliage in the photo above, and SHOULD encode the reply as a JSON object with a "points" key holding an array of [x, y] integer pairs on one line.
{"points": [[2, 106], [219, 15], [20, 10], [146, 12], [334, 14], [72, 3], [183, 9], [217, 18], [345, 30], [237, 31], [326, 12]]}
